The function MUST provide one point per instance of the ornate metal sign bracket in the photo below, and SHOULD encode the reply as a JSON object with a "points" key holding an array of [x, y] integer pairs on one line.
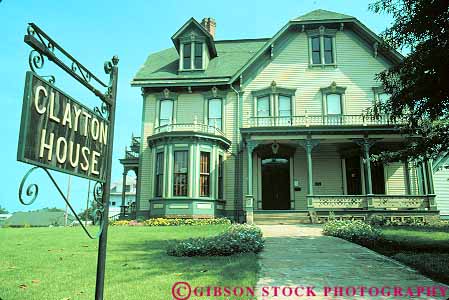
{"points": [[32, 190], [100, 143]]}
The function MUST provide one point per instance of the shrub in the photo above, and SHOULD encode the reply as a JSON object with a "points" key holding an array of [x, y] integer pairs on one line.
{"points": [[354, 231], [238, 238], [171, 222], [377, 220]]}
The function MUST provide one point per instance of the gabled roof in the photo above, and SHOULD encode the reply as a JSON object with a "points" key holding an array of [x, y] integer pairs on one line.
{"points": [[209, 38], [236, 56], [321, 14]]}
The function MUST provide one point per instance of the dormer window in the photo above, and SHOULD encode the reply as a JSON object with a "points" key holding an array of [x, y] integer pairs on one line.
{"points": [[322, 46], [195, 44], [187, 56], [192, 56], [198, 55]]}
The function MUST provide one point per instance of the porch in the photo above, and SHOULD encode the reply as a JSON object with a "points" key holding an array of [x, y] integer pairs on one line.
{"points": [[334, 174]]}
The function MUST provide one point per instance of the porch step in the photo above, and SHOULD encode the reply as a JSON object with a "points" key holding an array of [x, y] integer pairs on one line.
{"points": [[281, 217]]}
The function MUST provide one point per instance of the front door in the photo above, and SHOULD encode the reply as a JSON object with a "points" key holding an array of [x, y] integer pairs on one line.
{"points": [[275, 184]]}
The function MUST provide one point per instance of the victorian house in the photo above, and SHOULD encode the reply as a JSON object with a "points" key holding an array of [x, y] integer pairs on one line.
{"points": [[274, 129]]}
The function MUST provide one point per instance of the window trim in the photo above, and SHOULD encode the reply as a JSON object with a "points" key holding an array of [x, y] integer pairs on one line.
{"points": [[274, 92], [333, 89], [214, 93], [322, 32], [172, 112], [208, 111], [192, 40], [166, 94]]}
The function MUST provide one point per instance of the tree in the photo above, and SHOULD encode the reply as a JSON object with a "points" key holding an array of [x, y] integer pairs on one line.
{"points": [[419, 85], [3, 210]]}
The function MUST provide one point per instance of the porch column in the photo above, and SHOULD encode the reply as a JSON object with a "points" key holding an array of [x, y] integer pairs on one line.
{"points": [[428, 168], [249, 198], [369, 185], [423, 171], [308, 146], [366, 144], [125, 173], [137, 192]]}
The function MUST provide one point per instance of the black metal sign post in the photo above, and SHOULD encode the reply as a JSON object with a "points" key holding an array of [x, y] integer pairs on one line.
{"points": [[61, 134]]}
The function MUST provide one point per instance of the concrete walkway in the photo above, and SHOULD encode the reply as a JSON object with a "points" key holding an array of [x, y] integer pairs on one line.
{"points": [[297, 256]]}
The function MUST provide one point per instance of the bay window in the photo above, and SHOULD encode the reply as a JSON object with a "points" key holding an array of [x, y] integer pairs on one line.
{"points": [[159, 176], [180, 173], [204, 174]]}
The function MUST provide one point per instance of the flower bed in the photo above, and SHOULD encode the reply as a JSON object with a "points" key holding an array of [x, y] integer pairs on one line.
{"points": [[171, 222]]}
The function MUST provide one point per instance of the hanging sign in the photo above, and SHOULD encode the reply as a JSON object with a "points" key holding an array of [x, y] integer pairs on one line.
{"points": [[59, 133]]}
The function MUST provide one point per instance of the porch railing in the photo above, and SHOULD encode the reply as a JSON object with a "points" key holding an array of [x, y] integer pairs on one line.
{"points": [[195, 127], [324, 120], [419, 202]]}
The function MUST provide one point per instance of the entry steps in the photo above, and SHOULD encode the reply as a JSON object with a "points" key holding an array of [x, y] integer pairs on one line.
{"points": [[281, 217]]}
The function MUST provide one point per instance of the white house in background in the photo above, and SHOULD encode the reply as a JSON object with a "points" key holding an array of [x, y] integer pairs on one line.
{"points": [[4, 217], [441, 183], [115, 200]]}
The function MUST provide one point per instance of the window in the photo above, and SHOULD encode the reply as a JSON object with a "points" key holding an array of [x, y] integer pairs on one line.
{"points": [[285, 110], [316, 52], [333, 104], [322, 46], [180, 172], [220, 177], [166, 112], [186, 56], [383, 97], [113, 203], [333, 107], [215, 113], [204, 174], [159, 174], [127, 188], [198, 62], [263, 110], [328, 55]]}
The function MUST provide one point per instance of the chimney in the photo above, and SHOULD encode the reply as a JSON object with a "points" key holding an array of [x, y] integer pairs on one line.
{"points": [[209, 24]]}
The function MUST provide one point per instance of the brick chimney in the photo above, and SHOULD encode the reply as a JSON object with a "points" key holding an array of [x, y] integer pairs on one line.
{"points": [[209, 24]]}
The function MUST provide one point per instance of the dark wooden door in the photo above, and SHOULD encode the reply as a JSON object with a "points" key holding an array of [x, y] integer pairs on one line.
{"points": [[378, 178], [353, 176], [276, 184]]}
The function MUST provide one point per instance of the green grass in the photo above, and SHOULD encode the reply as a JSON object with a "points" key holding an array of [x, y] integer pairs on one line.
{"points": [[60, 263], [423, 249]]}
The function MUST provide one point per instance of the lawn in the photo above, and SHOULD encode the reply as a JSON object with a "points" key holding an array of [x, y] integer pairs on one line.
{"points": [[60, 263], [423, 249]]}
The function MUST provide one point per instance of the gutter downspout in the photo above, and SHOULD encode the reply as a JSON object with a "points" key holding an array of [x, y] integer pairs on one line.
{"points": [[237, 207]]}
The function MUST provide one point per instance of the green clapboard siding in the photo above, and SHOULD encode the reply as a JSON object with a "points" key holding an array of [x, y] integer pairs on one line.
{"points": [[441, 183], [356, 70], [146, 166], [395, 177]]}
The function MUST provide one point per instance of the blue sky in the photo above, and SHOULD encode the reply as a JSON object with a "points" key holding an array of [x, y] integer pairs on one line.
{"points": [[94, 31]]}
